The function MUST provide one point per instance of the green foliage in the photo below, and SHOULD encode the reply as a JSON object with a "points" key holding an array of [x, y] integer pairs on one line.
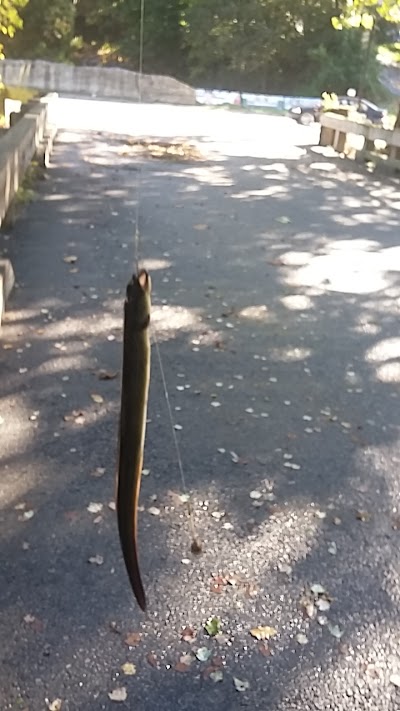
{"points": [[10, 19], [283, 46], [47, 30], [363, 13]]}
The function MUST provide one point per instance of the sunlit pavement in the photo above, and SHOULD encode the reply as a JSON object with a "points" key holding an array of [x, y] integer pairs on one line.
{"points": [[276, 302]]}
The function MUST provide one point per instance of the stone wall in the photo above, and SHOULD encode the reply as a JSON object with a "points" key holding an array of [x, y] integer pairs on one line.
{"points": [[103, 82]]}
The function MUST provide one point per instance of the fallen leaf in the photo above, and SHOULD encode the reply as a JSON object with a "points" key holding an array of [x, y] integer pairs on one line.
{"points": [[129, 669], [337, 521], [27, 515], [97, 398], [332, 548], [96, 559], [240, 685], [309, 609], [54, 705], [29, 619], [188, 634], [203, 654], [94, 507], [218, 584], [363, 516], [255, 494], [118, 694], [70, 259], [181, 667], [302, 638], [107, 374], [213, 626], [133, 639], [200, 227], [323, 605], [335, 631], [154, 511], [395, 680], [284, 220], [317, 589], [217, 675], [263, 632], [112, 505], [152, 660], [218, 515], [99, 471], [396, 523]]}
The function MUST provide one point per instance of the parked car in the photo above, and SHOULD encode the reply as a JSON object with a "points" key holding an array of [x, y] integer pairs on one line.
{"points": [[310, 114], [306, 115]]}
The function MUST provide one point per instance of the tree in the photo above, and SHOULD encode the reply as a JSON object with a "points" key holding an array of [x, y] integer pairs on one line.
{"points": [[10, 19], [110, 32], [363, 13], [47, 30]]}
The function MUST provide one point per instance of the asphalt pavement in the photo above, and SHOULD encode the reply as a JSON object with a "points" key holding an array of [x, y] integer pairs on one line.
{"points": [[276, 299]]}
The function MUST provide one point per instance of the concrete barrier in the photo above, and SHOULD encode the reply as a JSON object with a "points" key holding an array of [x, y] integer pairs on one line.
{"points": [[20, 144], [102, 82]]}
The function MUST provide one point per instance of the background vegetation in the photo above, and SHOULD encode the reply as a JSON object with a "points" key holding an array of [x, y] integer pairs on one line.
{"points": [[291, 46]]}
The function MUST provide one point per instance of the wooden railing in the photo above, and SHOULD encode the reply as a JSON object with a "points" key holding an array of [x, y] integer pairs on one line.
{"points": [[336, 131]]}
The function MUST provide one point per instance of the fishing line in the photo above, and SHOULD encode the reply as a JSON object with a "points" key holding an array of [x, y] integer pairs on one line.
{"points": [[195, 547], [139, 171]]}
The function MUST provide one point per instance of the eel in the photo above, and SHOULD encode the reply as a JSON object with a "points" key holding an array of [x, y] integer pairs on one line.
{"points": [[132, 423]]}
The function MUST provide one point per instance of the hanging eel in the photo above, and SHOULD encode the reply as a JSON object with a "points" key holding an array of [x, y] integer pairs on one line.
{"points": [[132, 425]]}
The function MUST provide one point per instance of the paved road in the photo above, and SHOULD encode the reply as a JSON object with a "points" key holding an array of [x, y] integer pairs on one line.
{"points": [[276, 308]]}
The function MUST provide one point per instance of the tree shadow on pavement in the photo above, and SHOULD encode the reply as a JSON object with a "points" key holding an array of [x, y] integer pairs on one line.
{"points": [[276, 299]]}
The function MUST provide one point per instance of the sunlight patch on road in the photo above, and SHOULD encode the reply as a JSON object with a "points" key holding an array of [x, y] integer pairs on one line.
{"points": [[289, 354], [169, 320], [271, 191], [348, 268], [256, 313], [297, 302], [211, 175]]}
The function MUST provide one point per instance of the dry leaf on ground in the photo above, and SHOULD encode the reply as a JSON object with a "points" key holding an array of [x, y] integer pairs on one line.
{"points": [[213, 626], [263, 632], [203, 654], [188, 634], [55, 705], [94, 507], [129, 669], [240, 685], [96, 559], [133, 639], [107, 374], [119, 694], [97, 398]]}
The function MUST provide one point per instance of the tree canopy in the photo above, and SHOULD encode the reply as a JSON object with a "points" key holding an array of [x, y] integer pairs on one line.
{"points": [[259, 45], [10, 19]]}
